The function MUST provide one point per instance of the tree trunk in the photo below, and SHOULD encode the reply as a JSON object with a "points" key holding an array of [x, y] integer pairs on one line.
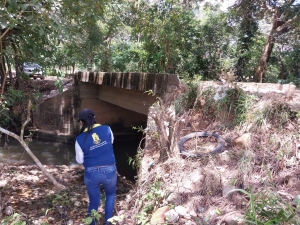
{"points": [[279, 27], [261, 70], [2, 68], [162, 135], [160, 119]]}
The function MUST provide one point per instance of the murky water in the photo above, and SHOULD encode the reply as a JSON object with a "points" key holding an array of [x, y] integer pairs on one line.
{"points": [[49, 153], [54, 153]]}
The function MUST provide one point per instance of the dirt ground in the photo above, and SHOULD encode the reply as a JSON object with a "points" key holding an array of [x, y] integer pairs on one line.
{"points": [[26, 191]]}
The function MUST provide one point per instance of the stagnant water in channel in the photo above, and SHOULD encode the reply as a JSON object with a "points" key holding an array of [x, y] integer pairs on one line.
{"points": [[55, 153]]}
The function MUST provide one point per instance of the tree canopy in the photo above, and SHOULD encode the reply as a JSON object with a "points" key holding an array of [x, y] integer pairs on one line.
{"points": [[258, 40]]}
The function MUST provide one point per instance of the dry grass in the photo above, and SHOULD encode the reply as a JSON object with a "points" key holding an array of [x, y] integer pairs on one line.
{"points": [[269, 162]]}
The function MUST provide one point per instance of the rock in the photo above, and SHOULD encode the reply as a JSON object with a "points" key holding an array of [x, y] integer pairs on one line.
{"points": [[200, 209], [193, 213], [296, 203], [60, 209], [33, 172], [292, 181], [9, 210], [172, 216], [182, 211], [158, 216], [70, 222], [182, 221], [189, 222], [243, 141], [227, 189], [51, 219], [174, 198], [3, 183], [121, 212], [187, 216], [233, 218], [197, 176], [296, 200], [77, 203]]}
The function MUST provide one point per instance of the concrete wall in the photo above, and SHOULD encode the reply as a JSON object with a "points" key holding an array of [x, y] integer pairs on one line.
{"points": [[55, 118]]}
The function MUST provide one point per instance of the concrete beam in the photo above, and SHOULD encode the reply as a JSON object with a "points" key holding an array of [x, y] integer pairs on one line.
{"points": [[133, 100], [159, 84]]}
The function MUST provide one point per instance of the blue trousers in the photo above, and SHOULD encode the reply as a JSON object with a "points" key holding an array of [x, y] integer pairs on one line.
{"points": [[93, 178]]}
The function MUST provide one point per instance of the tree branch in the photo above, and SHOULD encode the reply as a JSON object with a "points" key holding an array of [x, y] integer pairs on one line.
{"points": [[287, 23], [5, 32], [27, 149]]}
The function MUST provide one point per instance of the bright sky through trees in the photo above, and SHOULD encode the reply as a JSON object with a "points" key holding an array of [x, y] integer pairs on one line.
{"points": [[224, 4]]}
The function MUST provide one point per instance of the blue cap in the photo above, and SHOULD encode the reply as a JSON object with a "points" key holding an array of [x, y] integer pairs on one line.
{"points": [[86, 114]]}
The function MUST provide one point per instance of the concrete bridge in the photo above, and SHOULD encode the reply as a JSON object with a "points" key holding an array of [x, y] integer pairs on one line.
{"points": [[120, 100]]}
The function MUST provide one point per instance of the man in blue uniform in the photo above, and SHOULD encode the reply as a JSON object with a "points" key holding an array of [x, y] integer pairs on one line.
{"points": [[95, 151]]}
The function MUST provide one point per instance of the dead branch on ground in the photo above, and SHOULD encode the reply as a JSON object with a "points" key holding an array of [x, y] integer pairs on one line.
{"points": [[25, 146]]}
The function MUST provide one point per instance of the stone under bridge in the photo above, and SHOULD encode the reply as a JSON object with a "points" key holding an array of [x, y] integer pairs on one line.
{"points": [[121, 100]]}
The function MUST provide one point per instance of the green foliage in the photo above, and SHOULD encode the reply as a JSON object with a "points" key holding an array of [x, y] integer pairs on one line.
{"points": [[61, 200], [30, 31], [266, 208], [131, 161], [290, 61], [163, 36], [135, 161], [187, 100], [150, 92], [14, 219], [153, 197], [59, 82], [10, 112], [237, 104], [151, 201], [138, 129], [143, 218], [95, 216], [248, 28], [128, 57], [13, 96]]}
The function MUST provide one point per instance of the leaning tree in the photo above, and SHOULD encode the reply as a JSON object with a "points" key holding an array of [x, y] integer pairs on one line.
{"points": [[284, 17]]}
